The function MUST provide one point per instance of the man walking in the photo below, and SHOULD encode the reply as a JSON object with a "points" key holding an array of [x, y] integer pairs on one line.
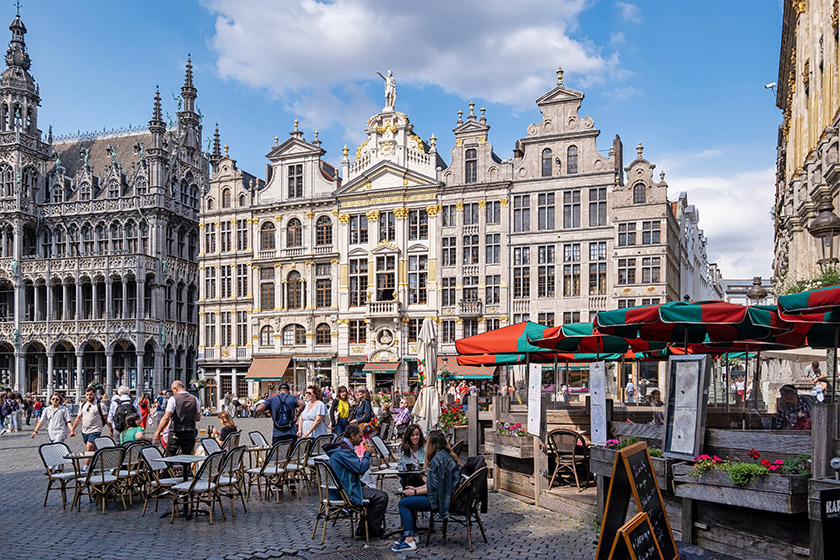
{"points": [[93, 419], [183, 410], [284, 408], [160, 406], [122, 405]]}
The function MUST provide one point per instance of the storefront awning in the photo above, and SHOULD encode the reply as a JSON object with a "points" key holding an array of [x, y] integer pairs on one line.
{"points": [[356, 360], [312, 358], [457, 371], [268, 368], [381, 367]]}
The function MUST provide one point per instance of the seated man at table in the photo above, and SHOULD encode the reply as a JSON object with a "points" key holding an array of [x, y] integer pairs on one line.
{"points": [[349, 468], [794, 410], [183, 410]]}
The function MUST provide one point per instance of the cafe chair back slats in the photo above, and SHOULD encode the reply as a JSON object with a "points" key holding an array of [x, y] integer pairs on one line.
{"points": [[334, 503], [210, 445], [202, 488], [53, 456], [102, 478], [102, 442], [232, 478], [158, 476]]}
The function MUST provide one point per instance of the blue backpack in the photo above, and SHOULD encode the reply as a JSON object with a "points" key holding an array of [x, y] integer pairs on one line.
{"points": [[285, 417]]}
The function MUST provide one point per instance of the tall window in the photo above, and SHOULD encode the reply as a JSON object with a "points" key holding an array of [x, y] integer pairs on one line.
{"points": [[210, 283], [294, 290], [492, 324], [225, 230], [226, 328], [625, 303], [571, 209], [627, 234], [267, 336], [448, 216], [470, 327], [447, 292], [471, 249], [449, 249], [323, 285], [322, 333], [358, 229], [471, 213], [116, 239], [387, 226], [418, 224], [358, 281], [598, 207], [571, 269], [572, 159], [639, 194], [545, 211], [225, 281], [357, 331], [242, 328], [267, 289], [210, 330], [522, 213], [447, 327], [546, 162], [493, 247], [130, 237], [470, 290], [570, 317], [650, 270], [87, 239], [386, 267], [296, 180], [626, 271], [521, 272], [226, 198], [294, 335], [267, 241], [418, 266], [650, 301], [113, 189], [323, 231], [294, 233], [492, 285], [493, 212], [546, 319], [597, 268], [242, 280], [470, 166], [241, 235], [651, 232], [545, 271]]}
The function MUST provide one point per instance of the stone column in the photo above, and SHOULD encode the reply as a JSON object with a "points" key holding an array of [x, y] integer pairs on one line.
{"points": [[219, 397], [37, 298], [79, 298], [50, 375], [141, 375], [125, 314], [183, 367], [109, 304], [80, 378], [20, 372], [141, 298], [64, 304], [109, 372], [50, 301], [158, 380]]}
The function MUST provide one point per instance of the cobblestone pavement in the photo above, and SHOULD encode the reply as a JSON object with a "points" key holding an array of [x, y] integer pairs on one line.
{"points": [[268, 530]]}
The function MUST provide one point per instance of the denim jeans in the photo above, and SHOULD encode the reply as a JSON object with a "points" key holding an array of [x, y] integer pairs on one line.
{"points": [[340, 425], [408, 506]]}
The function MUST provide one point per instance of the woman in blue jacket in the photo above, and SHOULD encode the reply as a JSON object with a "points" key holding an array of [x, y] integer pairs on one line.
{"points": [[441, 480]]}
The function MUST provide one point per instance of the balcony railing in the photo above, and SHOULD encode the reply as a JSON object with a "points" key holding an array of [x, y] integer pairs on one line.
{"points": [[209, 353], [469, 308], [389, 308], [470, 270], [293, 252], [323, 249], [521, 306], [268, 254], [598, 303], [241, 352]]}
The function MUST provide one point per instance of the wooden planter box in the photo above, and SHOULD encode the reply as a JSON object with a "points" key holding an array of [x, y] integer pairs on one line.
{"points": [[780, 493], [601, 461], [509, 446]]}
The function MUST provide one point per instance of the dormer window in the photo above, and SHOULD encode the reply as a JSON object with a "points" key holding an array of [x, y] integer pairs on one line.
{"points": [[58, 193], [226, 198], [546, 162], [572, 159], [296, 181], [113, 189], [639, 195], [470, 166]]}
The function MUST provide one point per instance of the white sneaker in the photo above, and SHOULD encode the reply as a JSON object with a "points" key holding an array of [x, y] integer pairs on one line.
{"points": [[3, 431]]}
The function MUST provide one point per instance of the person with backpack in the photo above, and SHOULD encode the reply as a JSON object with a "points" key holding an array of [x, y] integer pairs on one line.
{"points": [[182, 411], [160, 406], [284, 408], [121, 406]]}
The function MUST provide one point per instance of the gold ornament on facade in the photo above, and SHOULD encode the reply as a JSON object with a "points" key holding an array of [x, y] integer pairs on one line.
{"points": [[344, 218], [372, 215], [806, 74], [503, 202], [482, 203], [459, 142], [799, 6], [368, 185], [345, 150], [310, 214], [420, 147], [360, 148], [433, 210], [334, 212], [459, 206], [433, 139], [401, 213], [482, 139], [835, 12]]}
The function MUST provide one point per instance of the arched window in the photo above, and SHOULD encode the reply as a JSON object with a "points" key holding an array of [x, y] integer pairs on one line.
{"points": [[59, 239], [141, 186], [193, 201], [116, 238], [58, 193], [267, 242], [73, 241], [267, 336], [572, 159], [131, 237], [323, 231], [639, 194], [209, 203], [546, 162], [294, 290], [322, 334], [113, 189], [87, 239], [294, 335], [84, 191], [101, 239], [294, 233], [30, 183], [471, 166], [226, 198], [7, 184], [242, 200]]}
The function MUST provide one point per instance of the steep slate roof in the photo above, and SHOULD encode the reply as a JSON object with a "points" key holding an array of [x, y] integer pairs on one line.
{"points": [[99, 159]]}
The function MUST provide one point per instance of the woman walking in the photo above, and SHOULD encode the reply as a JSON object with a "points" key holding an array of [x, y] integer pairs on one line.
{"points": [[340, 411], [312, 421], [57, 419]]}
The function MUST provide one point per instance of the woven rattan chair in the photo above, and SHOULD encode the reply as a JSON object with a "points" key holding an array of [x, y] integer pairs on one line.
{"points": [[102, 478], [232, 479], [52, 454], [158, 475], [201, 489], [334, 503]]}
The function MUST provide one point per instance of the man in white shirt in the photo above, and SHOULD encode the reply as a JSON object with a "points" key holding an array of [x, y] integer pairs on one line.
{"points": [[93, 418], [184, 410]]}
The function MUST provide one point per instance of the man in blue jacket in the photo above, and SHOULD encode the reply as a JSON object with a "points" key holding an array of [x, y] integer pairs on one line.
{"points": [[349, 468]]}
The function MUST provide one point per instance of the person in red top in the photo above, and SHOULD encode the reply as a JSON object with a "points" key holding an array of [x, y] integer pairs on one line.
{"points": [[144, 410]]}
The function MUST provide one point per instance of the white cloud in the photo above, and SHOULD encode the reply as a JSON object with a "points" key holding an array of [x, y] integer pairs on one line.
{"points": [[301, 50], [629, 12]]}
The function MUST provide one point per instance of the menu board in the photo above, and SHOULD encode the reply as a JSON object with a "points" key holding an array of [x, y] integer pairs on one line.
{"points": [[633, 476], [598, 403], [534, 399], [635, 541], [688, 391]]}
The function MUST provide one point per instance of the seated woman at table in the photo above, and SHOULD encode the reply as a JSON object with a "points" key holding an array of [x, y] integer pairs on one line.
{"points": [[443, 477], [133, 430], [228, 427], [413, 452]]}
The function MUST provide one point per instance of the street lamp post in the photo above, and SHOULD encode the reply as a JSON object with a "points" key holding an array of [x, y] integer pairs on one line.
{"points": [[755, 295]]}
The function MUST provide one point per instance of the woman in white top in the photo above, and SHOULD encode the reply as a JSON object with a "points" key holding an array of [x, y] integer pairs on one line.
{"points": [[311, 421], [57, 419]]}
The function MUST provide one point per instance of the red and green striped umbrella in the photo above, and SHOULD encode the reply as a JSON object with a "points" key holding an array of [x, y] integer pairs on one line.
{"points": [[583, 337], [692, 322], [537, 358], [824, 300], [506, 340]]}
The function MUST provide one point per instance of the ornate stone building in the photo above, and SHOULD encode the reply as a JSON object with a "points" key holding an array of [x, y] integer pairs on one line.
{"points": [[808, 164], [334, 273], [98, 268]]}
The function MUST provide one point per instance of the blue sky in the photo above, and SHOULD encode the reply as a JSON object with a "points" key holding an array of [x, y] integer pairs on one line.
{"points": [[686, 78]]}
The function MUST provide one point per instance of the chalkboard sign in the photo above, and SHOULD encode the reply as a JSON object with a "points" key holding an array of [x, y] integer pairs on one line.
{"points": [[830, 515], [635, 541], [633, 476]]}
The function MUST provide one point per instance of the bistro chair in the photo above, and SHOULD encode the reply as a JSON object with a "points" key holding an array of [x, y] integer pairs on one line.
{"points": [[132, 467], [273, 470], [52, 455], [102, 442], [570, 454], [334, 503], [231, 441], [210, 445], [258, 439], [158, 475], [201, 489], [472, 486], [102, 478], [384, 455], [232, 477], [298, 459]]}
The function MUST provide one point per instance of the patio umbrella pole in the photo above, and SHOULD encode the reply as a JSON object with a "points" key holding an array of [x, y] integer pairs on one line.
{"points": [[726, 381], [834, 371]]}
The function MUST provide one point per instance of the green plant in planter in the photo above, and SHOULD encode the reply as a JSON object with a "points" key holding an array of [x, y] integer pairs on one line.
{"points": [[742, 473], [616, 444], [654, 452]]}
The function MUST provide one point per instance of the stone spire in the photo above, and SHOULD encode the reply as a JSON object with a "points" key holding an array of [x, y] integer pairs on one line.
{"points": [[16, 55], [188, 91], [217, 146], [157, 114]]}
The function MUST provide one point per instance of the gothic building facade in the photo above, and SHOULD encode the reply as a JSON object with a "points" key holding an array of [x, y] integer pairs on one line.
{"points": [[99, 245]]}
